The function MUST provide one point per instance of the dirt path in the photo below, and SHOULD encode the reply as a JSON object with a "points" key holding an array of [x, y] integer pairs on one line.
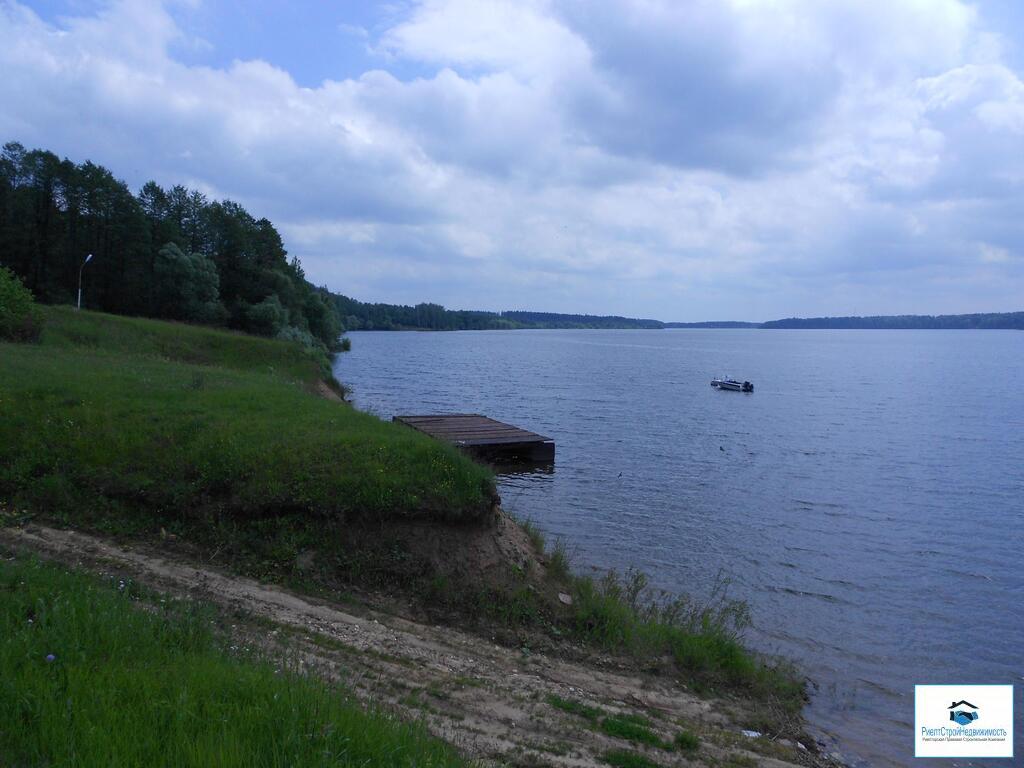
{"points": [[491, 702]]}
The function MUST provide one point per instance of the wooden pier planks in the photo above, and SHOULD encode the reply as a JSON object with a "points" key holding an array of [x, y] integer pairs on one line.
{"points": [[484, 436]]}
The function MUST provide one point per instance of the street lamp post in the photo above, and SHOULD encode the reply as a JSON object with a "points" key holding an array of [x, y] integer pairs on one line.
{"points": [[87, 259]]}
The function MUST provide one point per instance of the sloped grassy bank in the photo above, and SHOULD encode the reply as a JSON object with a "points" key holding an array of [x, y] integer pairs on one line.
{"points": [[127, 422], [211, 441]]}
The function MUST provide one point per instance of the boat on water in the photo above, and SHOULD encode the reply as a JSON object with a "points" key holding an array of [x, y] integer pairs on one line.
{"points": [[731, 385]]}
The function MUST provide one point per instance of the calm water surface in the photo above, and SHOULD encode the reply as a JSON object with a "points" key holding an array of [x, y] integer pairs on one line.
{"points": [[867, 500]]}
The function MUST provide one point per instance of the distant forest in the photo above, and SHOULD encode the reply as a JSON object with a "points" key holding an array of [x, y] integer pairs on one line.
{"points": [[357, 315], [989, 320], [714, 324], [166, 253], [173, 253]]}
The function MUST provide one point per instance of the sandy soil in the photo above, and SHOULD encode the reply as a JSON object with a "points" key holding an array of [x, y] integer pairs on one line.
{"points": [[492, 702], [322, 389]]}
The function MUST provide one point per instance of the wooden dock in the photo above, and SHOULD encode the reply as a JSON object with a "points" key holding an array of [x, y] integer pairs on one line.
{"points": [[484, 437]]}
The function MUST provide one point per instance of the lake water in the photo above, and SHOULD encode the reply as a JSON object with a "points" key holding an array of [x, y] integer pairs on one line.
{"points": [[867, 500]]}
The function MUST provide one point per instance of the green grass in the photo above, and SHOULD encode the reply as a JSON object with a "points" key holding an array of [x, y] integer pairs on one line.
{"points": [[67, 328], [704, 639], [620, 613], [558, 561], [621, 758], [158, 687], [686, 741], [97, 434], [534, 533], [630, 729], [574, 707]]}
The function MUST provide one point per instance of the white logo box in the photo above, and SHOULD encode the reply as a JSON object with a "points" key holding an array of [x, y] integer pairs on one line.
{"points": [[989, 734]]}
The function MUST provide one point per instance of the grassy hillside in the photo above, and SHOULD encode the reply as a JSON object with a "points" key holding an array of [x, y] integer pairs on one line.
{"points": [[136, 423], [67, 328], [87, 678]]}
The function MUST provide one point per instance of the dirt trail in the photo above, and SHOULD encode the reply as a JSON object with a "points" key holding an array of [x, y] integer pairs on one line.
{"points": [[491, 702]]}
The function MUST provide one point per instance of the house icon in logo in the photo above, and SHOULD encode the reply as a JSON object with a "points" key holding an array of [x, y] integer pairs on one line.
{"points": [[963, 712]]}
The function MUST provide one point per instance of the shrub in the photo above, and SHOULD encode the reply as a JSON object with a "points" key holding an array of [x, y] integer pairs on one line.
{"points": [[312, 347], [266, 318], [20, 319]]}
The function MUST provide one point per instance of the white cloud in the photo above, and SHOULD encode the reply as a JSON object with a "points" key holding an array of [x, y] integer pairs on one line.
{"points": [[992, 254], [751, 158], [516, 36]]}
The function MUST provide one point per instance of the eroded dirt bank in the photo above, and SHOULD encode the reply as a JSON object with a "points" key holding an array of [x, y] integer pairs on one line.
{"points": [[493, 702]]}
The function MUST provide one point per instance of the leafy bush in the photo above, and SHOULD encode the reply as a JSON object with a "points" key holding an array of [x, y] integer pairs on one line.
{"points": [[188, 286], [266, 318], [312, 346], [20, 319], [305, 338]]}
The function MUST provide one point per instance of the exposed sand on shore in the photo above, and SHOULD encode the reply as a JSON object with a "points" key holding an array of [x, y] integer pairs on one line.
{"points": [[492, 702]]}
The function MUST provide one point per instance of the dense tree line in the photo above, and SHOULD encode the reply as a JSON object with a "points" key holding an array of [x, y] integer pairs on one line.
{"points": [[168, 253], [990, 320], [390, 317], [715, 324], [358, 315], [556, 320]]}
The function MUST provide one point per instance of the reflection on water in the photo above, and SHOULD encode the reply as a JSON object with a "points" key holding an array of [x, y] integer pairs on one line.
{"points": [[509, 470], [866, 499]]}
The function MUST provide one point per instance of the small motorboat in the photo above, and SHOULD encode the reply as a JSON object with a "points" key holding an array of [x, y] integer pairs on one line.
{"points": [[732, 385]]}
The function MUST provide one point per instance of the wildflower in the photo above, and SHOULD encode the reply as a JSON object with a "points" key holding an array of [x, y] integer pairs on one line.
{"points": [[50, 657]]}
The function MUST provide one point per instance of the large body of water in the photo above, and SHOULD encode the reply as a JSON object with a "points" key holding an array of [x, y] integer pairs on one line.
{"points": [[867, 500]]}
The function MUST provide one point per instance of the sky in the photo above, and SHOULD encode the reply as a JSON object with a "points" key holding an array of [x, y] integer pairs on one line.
{"points": [[675, 159]]}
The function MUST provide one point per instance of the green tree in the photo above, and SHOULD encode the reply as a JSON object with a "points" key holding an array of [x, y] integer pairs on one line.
{"points": [[266, 318], [187, 286], [228, 267]]}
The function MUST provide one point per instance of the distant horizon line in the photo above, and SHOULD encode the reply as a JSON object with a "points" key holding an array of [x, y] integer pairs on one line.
{"points": [[734, 323], [424, 316]]}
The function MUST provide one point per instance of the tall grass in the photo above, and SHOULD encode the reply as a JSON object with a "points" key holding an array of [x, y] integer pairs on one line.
{"points": [[704, 638], [88, 679], [623, 614]]}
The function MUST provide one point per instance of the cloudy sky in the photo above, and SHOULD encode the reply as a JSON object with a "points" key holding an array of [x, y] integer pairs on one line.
{"points": [[676, 159]]}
